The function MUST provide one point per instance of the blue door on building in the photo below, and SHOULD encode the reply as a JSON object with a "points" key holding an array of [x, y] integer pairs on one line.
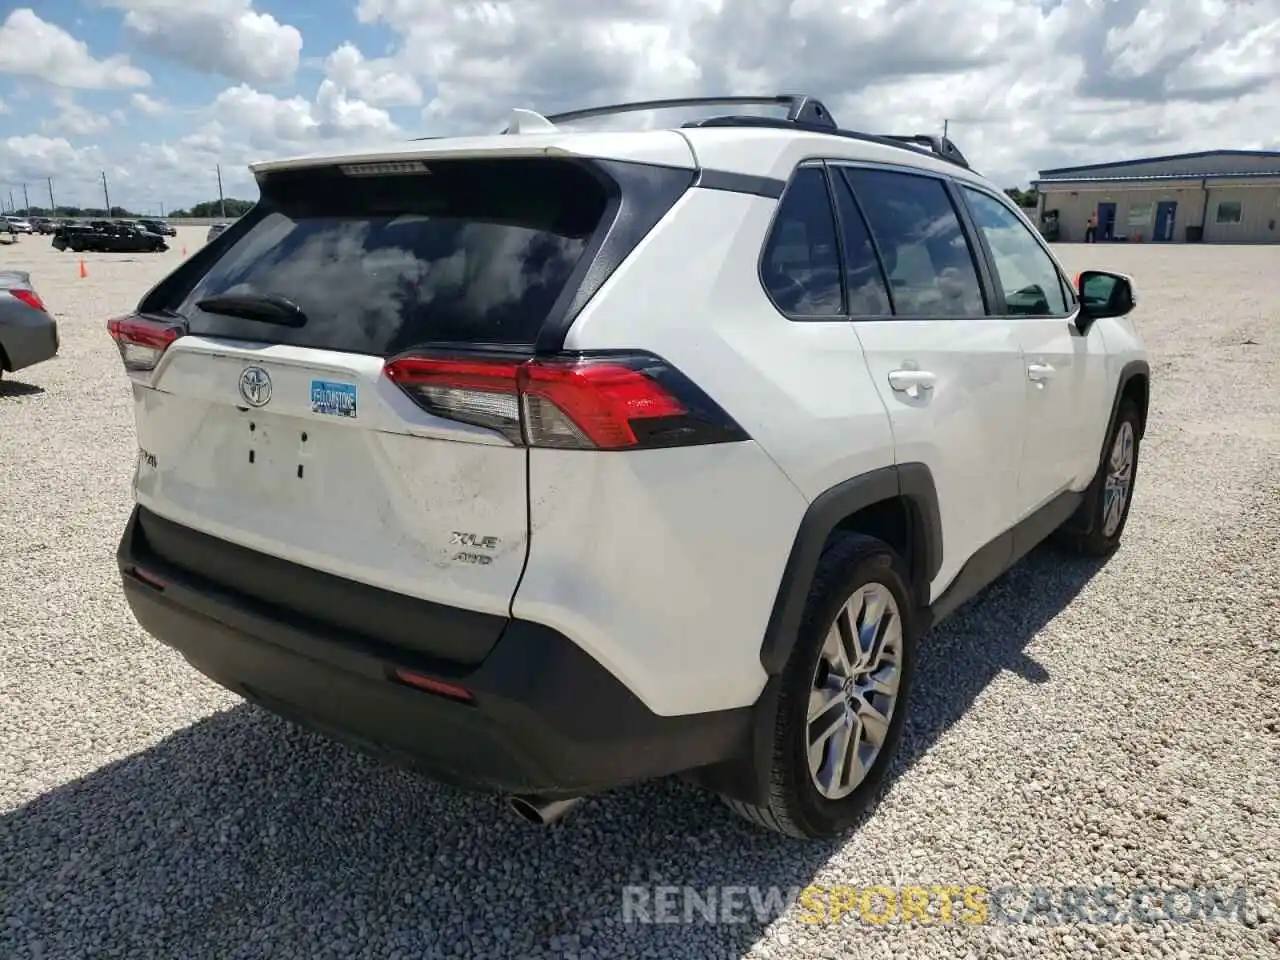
{"points": [[1166, 213], [1106, 221]]}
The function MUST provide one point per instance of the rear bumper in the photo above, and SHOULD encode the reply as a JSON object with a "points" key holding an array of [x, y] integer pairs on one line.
{"points": [[544, 717]]}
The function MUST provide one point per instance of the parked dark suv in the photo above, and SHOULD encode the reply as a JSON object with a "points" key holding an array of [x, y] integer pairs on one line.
{"points": [[103, 236]]}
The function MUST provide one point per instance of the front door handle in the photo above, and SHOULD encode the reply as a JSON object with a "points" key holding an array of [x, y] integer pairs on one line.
{"points": [[911, 382], [1039, 372]]}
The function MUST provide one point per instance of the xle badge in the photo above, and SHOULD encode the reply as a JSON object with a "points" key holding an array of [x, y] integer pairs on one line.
{"points": [[475, 542]]}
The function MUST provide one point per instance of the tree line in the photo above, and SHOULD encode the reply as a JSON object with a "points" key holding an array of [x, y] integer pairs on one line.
{"points": [[209, 209], [1023, 198]]}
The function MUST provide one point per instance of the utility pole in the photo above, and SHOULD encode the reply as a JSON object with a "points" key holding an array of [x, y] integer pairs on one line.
{"points": [[12, 206], [26, 201], [945, 125], [222, 204], [105, 195], [53, 210]]}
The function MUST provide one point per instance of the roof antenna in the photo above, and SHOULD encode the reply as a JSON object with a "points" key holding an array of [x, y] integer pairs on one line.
{"points": [[526, 121]]}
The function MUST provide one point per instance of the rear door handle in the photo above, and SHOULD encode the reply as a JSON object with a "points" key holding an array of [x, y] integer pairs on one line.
{"points": [[1039, 372], [911, 382]]}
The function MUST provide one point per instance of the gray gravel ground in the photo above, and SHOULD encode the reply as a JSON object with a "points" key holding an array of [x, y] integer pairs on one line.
{"points": [[1076, 726]]}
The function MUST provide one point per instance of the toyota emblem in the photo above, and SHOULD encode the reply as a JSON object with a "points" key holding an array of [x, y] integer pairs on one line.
{"points": [[255, 386]]}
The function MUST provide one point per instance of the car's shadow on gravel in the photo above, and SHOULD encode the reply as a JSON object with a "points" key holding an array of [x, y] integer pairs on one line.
{"points": [[18, 388], [242, 836]]}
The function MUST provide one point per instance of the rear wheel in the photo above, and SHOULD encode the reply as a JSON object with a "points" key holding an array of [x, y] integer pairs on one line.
{"points": [[843, 696]]}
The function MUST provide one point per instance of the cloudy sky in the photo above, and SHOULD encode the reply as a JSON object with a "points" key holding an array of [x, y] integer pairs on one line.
{"points": [[156, 92]]}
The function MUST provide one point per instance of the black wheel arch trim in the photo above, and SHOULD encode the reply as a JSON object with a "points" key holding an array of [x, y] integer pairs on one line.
{"points": [[911, 483], [1130, 371], [1082, 520]]}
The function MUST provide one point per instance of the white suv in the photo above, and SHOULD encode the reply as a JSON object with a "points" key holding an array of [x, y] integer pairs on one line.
{"points": [[557, 460]]}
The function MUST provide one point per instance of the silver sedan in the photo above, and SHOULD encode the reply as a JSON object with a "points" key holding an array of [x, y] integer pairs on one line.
{"points": [[28, 333]]}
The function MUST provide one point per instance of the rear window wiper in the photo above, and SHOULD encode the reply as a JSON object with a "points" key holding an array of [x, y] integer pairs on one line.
{"points": [[264, 307]]}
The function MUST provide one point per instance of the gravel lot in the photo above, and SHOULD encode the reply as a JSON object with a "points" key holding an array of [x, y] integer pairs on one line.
{"points": [[1076, 726]]}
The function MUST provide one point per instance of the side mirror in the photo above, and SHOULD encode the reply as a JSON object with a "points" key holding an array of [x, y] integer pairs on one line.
{"points": [[1104, 294]]}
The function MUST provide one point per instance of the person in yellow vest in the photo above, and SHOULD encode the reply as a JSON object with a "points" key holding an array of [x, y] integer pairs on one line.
{"points": [[1091, 231]]}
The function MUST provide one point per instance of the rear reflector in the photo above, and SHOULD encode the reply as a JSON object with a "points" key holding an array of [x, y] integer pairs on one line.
{"points": [[431, 685], [608, 402], [149, 578], [142, 342], [31, 299]]}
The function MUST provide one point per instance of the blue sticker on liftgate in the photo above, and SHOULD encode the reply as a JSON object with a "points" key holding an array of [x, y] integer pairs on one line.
{"points": [[333, 399]]}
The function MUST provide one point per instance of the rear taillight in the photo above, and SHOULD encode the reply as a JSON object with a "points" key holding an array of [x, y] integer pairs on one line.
{"points": [[611, 402], [142, 342], [30, 298]]}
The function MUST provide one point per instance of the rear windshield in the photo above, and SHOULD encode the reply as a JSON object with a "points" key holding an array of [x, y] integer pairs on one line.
{"points": [[475, 251]]}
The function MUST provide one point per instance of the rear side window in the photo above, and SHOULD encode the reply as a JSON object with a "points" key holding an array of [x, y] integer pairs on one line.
{"points": [[926, 256], [801, 262], [868, 293], [473, 252]]}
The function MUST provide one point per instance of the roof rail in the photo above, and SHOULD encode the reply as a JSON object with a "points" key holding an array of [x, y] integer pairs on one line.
{"points": [[939, 146], [803, 112], [918, 143], [801, 108]]}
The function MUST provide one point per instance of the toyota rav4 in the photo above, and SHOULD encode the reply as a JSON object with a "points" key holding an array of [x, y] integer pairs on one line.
{"points": [[557, 460]]}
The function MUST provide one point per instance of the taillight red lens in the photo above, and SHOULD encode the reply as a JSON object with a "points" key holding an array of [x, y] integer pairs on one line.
{"points": [[30, 298], [142, 342], [589, 404], [580, 403]]}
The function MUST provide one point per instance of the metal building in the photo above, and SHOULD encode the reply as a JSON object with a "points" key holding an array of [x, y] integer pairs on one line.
{"points": [[1217, 196]]}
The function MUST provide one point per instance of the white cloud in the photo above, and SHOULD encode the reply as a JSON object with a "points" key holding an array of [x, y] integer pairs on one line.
{"points": [[73, 119], [224, 37], [380, 82], [31, 157], [32, 47], [1025, 83], [265, 121], [149, 106]]}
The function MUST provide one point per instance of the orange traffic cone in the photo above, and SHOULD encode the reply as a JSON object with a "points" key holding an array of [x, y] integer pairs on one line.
{"points": [[83, 272]]}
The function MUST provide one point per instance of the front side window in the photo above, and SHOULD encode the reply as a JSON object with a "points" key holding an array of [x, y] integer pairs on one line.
{"points": [[923, 247], [1031, 282], [801, 263]]}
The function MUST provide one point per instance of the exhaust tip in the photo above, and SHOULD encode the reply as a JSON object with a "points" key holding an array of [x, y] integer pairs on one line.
{"points": [[540, 811], [526, 810]]}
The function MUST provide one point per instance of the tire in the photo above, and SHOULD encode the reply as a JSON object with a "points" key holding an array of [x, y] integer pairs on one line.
{"points": [[855, 565], [1098, 527]]}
